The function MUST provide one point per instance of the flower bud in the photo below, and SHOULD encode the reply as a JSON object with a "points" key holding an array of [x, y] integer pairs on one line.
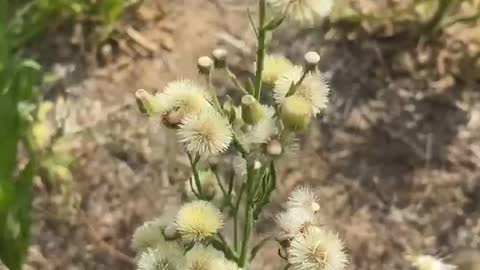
{"points": [[204, 65], [311, 60], [219, 58], [252, 110], [149, 104], [170, 232], [274, 148], [295, 113], [172, 119]]}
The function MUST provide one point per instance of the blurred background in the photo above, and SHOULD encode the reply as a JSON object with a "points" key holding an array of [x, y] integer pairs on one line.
{"points": [[395, 159]]}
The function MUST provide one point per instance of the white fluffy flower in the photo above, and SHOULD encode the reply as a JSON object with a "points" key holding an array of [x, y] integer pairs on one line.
{"points": [[274, 67], [205, 134], [316, 249], [427, 262], [203, 258], [162, 258], [149, 235], [186, 96], [314, 88], [303, 197], [198, 220], [295, 220], [302, 12], [264, 129]]}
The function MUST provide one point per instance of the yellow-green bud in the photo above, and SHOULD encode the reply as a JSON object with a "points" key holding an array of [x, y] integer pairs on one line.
{"points": [[295, 113], [252, 110], [149, 104]]}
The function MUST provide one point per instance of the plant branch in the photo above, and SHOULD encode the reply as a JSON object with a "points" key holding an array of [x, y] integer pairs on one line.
{"points": [[262, 38]]}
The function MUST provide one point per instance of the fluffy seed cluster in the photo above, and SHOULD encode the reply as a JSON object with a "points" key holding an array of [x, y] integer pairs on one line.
{"points": [[428, 262], [302, 12], [205, 134], [170, 258], [316, 249], [313, 89], [198, 220], [185, 96], [274, 67], [308, 246], [149, 235]]}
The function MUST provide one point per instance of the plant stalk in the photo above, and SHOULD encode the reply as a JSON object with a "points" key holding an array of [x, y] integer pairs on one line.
{"points": [[262, 37]]}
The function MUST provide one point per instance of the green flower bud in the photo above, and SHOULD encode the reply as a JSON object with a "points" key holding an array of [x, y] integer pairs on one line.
{"points": [[252, 110], [295, 113]]}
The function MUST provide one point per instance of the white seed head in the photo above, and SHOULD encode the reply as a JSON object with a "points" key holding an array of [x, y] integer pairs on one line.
{"points": [[185, 97], [162, 258], [317, 249], [150, 234], [303, 197], [203, 258], [205, 134], [264, 129], [302, 12], [428, 262], [198, 220], [295, 220], [204, 64], [274, 67], [314, 89], [285, 81]]}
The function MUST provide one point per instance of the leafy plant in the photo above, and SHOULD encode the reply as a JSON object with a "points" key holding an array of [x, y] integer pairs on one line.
{"points": [[18, 94]]}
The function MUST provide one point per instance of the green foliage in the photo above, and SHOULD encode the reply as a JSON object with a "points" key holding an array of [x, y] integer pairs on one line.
{"points": [[31, 18], [18, 81]]}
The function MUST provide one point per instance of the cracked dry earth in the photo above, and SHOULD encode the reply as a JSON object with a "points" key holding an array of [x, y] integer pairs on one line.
{"points": [[376, 185]]}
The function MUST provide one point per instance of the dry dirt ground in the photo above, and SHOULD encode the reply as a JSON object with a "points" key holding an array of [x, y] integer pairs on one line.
{"points": [[395, 161]]}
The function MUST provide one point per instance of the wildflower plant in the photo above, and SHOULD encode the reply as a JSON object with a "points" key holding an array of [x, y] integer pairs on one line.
{"points": [[256, 130]]}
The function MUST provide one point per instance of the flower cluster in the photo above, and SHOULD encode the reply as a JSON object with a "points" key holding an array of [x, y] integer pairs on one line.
{"points": [[177, 240], [256, 130], [304, 243]]}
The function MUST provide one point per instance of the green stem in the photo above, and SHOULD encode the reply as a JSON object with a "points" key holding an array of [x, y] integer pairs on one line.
{"points": [[193, 163], [235, 217], [295, 86], [433, 24], [247, 227], [262, 37]]}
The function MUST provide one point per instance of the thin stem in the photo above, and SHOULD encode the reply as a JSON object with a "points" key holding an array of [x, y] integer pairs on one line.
{"points": [[193, 164], [225, 194], [235, 217], [432, 25], [262, 37], [228, 250], [247, 227], [295, 86], [236, 82], [208, 79]]}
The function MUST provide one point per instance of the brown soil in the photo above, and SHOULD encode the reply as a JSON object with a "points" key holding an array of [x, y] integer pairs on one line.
{"points": [[395, 161]]}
